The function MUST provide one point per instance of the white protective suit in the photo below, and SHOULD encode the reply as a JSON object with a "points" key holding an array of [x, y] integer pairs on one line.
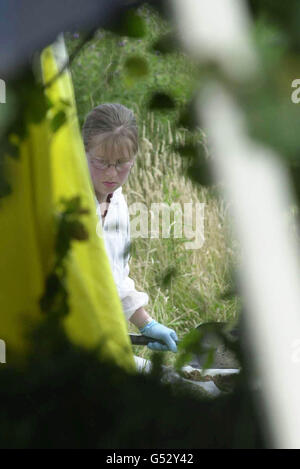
{"points": [[116, 234]]}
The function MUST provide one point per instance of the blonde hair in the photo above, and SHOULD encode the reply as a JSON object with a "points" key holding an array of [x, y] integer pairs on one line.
{"points": [[114, 124]]}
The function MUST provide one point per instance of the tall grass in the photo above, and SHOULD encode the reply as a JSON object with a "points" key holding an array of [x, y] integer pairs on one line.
{"points": [[197, 291]]}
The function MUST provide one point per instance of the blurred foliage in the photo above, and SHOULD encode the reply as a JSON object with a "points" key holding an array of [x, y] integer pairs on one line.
{"points": [[161, 101], [58, 120], [166, 44], [68, 228], [29, 107], [100, 71], [128, 23], [66, 398], [285, 16], [201, 345], [272, 117]]}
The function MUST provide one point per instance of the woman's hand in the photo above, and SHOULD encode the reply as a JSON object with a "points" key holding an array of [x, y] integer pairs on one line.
{"points": [[158, 331]]}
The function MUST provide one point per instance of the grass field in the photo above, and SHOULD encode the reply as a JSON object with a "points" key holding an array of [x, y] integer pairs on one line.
{"points": [[197, 290], [200, 288]]}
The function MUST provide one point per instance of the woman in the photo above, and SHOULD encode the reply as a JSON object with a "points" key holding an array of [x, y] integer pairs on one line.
{"points": [[110, 137]]}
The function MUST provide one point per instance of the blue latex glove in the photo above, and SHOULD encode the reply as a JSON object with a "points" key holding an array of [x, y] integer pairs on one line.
{"points": [[157, 331]]}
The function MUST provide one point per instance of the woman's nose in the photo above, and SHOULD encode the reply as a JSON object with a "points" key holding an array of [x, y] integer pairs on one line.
{"points": [[111, 169]]}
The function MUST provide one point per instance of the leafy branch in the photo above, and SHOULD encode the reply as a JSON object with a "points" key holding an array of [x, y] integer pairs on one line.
{"points": [[69, 228]]}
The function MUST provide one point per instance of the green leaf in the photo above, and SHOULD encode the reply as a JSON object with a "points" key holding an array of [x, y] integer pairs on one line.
{"points": [[9, 148], [167, 276], [182, 359], [19, 126], [134, 26], [58, 120], [71, 205], [190, 341], [37, 104], [136, 67], [5, 186], [54, 301], [77, 230], [166, 44], [200, 172], [187, 118], [65, 102], [210, 356], [161, 101], [157, 360], [190, 344], [129, 24], [189, 150], [49, 103]]}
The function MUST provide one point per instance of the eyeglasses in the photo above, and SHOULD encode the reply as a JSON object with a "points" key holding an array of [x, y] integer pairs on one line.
{"points": [[119, 165]]}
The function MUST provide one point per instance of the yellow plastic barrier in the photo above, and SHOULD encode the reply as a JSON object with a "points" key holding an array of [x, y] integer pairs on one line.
{"points": [[53, 165]]}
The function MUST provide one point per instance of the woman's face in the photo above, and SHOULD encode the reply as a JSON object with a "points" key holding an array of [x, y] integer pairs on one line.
{"points": [[106, 180]]}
